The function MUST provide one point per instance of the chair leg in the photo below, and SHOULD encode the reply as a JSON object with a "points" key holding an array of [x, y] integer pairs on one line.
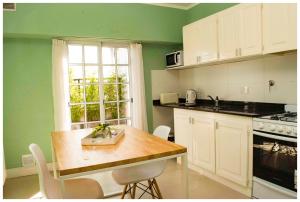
{"points": [[133, 190], [130, 191], [124, 191], [157, 188], [151, 188]]}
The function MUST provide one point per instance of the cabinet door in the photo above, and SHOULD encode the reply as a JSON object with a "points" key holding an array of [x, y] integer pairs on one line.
{"points": [[228, 22], [200, 41], [250, 29], [191, 43], [279, 27], [182, 130], [203, 140], [208, 37], [232, 150]]}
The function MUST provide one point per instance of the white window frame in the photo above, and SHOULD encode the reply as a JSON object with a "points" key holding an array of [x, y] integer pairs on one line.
{"points": [[101, 82]]}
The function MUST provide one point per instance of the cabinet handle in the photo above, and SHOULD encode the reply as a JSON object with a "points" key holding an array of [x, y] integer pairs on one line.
{"points": [[240, 51], [192, 120], [248, 131], [216, 125]]}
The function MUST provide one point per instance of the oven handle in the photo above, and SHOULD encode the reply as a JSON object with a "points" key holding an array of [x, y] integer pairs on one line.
{"points": [[275, 136]]}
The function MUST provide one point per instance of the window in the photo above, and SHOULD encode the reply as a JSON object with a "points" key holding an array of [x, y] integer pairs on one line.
{"points": [[99, 78]]}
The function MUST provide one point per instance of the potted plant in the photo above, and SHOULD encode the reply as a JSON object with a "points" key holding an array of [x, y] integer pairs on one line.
{"points": [[102, 130]]}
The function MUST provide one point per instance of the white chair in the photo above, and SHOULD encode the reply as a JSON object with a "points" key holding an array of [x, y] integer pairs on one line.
{"points": [[50, 187], [132, 176]]}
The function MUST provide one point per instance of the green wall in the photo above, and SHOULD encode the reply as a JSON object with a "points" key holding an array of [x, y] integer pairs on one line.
{"points": [[27, 97], [28, 106], [140, 22], [203, 10], [153, 59]]}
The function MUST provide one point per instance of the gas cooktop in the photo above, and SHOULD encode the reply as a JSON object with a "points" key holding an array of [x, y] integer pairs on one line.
{"points": [[287, 117]]}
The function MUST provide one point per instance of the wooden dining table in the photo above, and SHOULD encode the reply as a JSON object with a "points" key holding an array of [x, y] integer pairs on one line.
{"points": [[136, 147]]}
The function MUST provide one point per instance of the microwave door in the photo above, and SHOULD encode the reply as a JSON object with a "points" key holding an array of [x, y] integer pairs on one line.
{"points": [[171, 59]]}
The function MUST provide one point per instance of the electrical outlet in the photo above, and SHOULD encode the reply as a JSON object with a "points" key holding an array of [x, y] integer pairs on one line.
{"points": [[27, 160]]}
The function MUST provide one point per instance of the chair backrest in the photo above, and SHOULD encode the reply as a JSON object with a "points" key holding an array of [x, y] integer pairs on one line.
{"points": [[49, 187], [162, 132]]}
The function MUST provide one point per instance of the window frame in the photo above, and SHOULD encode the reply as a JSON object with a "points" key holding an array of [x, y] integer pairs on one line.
{"points": [[101, 82]]}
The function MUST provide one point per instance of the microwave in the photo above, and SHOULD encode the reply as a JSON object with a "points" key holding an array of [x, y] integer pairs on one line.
{"points": [[174, 59]]}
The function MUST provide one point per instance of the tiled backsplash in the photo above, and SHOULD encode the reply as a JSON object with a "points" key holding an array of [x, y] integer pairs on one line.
{"points": [[229, 80]]}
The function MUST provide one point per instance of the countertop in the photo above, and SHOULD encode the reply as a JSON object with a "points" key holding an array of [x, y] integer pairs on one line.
{"points": [[253, 109]]}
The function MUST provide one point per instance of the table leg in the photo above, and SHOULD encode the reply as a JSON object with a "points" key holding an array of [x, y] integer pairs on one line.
{"points": [[62, 186], [53, 162], [185, 179]]}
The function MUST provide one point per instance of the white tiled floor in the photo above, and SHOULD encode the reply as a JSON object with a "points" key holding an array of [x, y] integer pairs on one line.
{"points": [[200, 187]]}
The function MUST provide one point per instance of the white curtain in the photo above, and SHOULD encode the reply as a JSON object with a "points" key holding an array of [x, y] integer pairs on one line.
{"points": [[139, 119], [62, 118]]}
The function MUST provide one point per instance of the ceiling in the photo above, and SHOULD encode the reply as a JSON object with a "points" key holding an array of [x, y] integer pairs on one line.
{"points": [[184, 6]]}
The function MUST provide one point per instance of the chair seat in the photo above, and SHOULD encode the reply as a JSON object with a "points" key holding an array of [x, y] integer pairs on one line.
{"points": [[139, 173], [83, 188]]}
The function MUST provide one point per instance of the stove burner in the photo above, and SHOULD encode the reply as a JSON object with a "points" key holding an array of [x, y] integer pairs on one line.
{"points": [[274, 117], [287, 117]]}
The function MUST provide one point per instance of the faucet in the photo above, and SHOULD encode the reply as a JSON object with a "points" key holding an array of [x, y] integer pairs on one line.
{"points": [[216, 101]]}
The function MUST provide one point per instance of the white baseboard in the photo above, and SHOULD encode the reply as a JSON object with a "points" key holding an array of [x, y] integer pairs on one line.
{"points": [[24, 171]]}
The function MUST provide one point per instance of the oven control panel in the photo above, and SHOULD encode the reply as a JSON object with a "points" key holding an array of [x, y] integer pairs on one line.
{"points": [[282, 129]]}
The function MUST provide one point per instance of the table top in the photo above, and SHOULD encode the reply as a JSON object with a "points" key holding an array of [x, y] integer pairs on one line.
{"points": [[135, 146]]}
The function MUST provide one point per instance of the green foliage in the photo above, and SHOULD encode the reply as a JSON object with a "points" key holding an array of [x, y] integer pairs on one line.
{"points": [[92, 95], [101, 129]]}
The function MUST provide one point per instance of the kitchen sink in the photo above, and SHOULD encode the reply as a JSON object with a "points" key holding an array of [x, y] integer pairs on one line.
{"points": [[212, 108]]}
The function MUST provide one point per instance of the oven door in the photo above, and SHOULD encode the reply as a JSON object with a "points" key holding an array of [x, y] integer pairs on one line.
{"points": [[275, 159]]}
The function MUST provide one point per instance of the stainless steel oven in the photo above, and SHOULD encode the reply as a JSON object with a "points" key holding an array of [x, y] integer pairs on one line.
{"points": [[275, 159], [275, 156]]}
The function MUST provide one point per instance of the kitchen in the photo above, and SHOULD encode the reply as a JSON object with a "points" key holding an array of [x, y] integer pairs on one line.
{"points": [[227, 90], [230, 83]]}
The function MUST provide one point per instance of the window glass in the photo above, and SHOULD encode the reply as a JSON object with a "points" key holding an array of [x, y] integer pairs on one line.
{"points": [[109, 74], [93, 112], [91, 74], [108, 55], [92, 93], [122, 56], [77, 113], [75, 74], [99, 91], [76, 94], [90, 54], [111, 111], [75, 53], [123, 75]]}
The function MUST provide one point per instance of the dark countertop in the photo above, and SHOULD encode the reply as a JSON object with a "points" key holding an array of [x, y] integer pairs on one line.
{"points": [[255, 109]]}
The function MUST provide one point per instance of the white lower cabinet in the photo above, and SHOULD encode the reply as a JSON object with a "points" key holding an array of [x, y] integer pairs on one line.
{"points": [[203, 140], [217, 143], [183, 129], [232, 148]]}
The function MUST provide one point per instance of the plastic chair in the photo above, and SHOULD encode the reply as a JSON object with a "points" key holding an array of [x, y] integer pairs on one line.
{"points": [[132, 176], [50, 187]]}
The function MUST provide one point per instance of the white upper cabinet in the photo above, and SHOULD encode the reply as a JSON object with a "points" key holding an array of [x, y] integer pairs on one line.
{"points": [[279, 27], [191, 43], [228, 21], [240, 31], [247, 29], [250, 34], [200, 42]]}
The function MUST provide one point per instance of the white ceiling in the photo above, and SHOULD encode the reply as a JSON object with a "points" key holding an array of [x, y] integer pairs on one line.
{"points": [[184, 6]]}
